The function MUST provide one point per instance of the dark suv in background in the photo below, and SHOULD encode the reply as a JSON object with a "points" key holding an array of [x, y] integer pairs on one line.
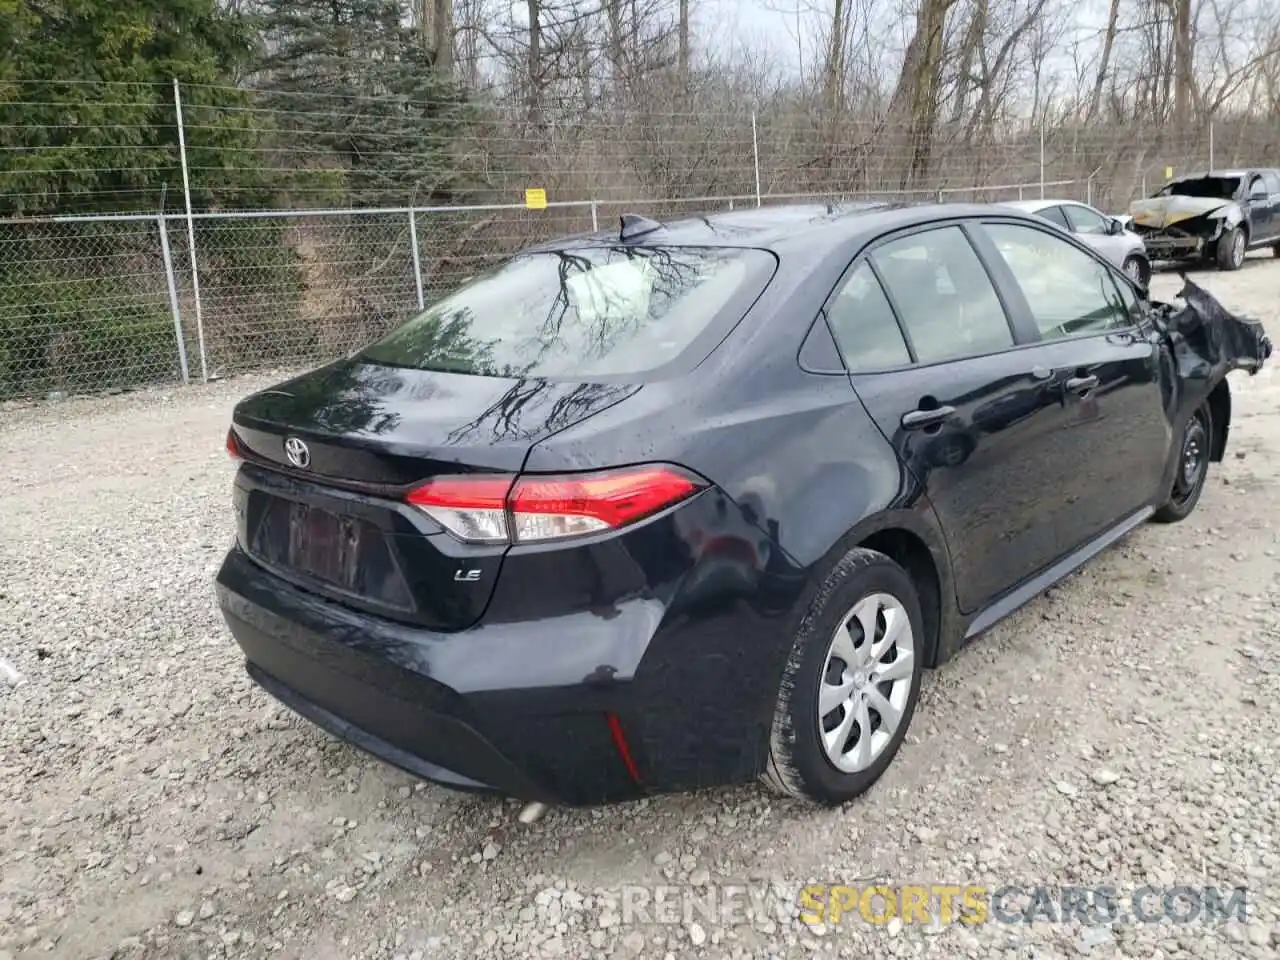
{"points": [[1217, 217]]}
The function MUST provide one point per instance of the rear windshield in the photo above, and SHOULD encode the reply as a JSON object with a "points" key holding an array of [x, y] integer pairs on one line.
{"points": [[1214, 188], [599, 311]]}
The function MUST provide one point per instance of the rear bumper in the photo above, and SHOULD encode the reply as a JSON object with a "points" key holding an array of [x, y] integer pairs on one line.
{"points": [[474, 710]]}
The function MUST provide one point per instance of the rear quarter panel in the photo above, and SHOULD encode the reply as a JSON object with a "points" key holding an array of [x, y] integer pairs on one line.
{"points": [[802, 475]]}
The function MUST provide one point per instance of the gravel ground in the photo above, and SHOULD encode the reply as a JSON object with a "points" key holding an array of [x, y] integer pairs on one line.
{"points": [[1122, 730]]}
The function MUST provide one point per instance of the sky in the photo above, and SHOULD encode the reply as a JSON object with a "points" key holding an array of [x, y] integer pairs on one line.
{"points": [[767, 24], [752, 22]]}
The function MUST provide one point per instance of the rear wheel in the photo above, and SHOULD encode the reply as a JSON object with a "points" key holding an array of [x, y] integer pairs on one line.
{"points": [[851, 683], [1193, 468], [1231, 249]]}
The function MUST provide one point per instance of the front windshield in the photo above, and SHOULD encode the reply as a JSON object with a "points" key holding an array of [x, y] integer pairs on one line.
{"points": [[1214, 188], [593, 311]]}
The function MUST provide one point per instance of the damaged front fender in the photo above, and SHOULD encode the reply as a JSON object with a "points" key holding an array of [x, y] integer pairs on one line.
{"points": [[1207, 339], [1201, 342]]}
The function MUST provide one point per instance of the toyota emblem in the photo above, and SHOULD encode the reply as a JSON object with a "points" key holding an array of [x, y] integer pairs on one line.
{"points": [[297, 453]]}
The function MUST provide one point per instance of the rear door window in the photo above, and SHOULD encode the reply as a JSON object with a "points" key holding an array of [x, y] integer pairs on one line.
{"points": [[943, 295], [864, 326], [579, 313]]}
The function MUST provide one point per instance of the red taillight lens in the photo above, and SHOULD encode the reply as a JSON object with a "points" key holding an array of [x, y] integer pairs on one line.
{"points": [[547, 508], [233, 446], [534, 508], [471, 508]]}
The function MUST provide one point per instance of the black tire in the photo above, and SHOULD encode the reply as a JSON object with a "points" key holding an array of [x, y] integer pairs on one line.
{"points": [[1137, 268], [798, 765], [1230, 250], [1187, 486]]}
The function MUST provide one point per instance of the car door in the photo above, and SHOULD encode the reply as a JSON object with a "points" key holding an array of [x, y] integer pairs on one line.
{"points": [[973, 416], [1271, 178], [1095, 230], [1258, 210], [1116, 439]]}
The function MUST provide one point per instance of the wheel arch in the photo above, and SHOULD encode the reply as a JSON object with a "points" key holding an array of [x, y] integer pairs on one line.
{"points": [[912, 540], [1219, 402], [910, 552]]}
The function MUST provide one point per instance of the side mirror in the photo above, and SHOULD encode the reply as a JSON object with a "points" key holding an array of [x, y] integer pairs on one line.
{"points": [[1116, 227]]}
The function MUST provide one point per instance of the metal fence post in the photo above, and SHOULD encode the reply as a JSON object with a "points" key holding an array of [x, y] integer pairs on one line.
{"points": [[755, 152], [191, 231], [595, 217], [1041, 159], [417, 259], [1211, 167], [173, 296]]}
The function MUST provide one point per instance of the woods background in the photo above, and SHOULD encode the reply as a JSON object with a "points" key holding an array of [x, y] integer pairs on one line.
{"points": [[339, 161]]}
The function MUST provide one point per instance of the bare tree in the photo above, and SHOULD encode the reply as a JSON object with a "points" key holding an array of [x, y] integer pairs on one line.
{"points": [[915, 98]]}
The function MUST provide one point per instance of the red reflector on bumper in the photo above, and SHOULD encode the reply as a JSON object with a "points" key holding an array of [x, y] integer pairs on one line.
{"points": [[620, 743]]}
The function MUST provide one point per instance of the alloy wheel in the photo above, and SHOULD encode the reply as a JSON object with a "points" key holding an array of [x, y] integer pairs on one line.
{"points": [[866, 682], [1237, 248]]}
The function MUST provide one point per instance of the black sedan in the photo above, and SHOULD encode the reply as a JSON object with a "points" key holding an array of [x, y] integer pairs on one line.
{"points": [[694, 503]]}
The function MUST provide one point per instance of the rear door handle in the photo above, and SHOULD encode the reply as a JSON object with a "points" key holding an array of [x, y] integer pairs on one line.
{"points": [[918, 419], [1081, 384]]}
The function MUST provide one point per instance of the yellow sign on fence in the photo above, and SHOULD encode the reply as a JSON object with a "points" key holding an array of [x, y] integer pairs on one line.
{"points": [[1168, 173], [535, 198]]}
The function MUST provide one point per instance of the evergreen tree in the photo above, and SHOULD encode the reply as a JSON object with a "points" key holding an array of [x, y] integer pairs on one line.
{"points": [[352, 78], [86, 99]]}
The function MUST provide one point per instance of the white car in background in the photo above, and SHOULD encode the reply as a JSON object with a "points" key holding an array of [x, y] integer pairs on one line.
{"points": [[1110, 236]]}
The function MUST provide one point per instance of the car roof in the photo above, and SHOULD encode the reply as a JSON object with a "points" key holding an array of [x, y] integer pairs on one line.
{"points": [[1031, 206], [1240, 172], [792, 225]]}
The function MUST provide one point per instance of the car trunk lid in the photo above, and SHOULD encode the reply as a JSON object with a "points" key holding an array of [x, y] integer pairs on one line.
{"points": [[333, 518]]}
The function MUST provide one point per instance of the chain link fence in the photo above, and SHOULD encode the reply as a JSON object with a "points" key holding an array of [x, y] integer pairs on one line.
{"points": [[93, 304], [84, 306]]}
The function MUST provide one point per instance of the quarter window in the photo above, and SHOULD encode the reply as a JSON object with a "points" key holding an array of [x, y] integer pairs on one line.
{"points": [[1069, 292], [864, 326], [943, 295]]}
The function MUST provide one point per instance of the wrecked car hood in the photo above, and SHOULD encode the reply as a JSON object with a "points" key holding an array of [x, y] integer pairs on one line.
{"points": [[1158, 213], [1207, 340]]}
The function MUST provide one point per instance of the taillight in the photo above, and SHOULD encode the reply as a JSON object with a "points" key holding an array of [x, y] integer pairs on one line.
{"points": [[489, 509], [471, 508], [233, 446]]}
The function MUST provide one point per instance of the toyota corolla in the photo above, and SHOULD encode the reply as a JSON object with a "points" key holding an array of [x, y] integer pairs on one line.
{"points": [[694, 503]]}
